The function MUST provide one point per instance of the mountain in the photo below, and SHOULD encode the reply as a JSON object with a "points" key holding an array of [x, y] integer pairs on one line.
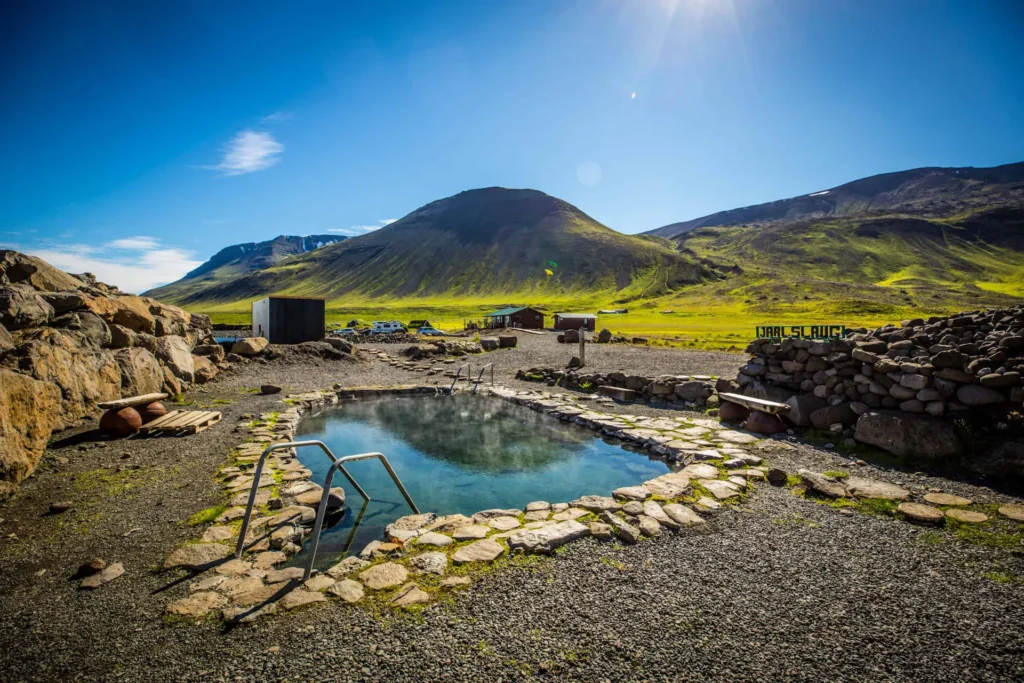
{"points": [[923, 192], [491, 241], [240, 259], [887, 247]]}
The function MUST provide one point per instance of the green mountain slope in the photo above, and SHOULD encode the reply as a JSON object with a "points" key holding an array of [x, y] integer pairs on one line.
{"points": [[491, 242], [924, 192], [239, 260]]}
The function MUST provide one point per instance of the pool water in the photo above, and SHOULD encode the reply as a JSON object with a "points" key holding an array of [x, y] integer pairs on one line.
{"points": [[457, 454]]}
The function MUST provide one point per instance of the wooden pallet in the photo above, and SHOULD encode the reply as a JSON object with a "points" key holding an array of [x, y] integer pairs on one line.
{"points": [[182, 422]]}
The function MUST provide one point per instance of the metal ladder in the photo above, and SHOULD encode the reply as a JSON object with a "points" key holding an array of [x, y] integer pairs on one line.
{"points": [[451, 389], [479, 378], [336, 464]]}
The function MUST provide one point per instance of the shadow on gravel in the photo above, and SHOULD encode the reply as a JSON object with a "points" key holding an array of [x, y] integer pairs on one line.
{"points": [[254, 611], [90, 436]]}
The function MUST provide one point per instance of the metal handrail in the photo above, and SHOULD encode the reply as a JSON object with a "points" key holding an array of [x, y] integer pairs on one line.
{"points": [[480, 377], [336, 464], [458, 372]]}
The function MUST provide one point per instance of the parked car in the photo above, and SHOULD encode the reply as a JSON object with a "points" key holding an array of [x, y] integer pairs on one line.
{"points": [[346, 331], [387, 327], [431, 332]]}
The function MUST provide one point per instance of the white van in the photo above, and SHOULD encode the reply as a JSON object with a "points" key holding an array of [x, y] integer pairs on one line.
{"points": [[382, 327]]}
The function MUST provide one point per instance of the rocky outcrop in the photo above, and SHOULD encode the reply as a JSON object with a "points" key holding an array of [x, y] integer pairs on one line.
{"points": [[69, 342], [29, 410], [695, 391]]}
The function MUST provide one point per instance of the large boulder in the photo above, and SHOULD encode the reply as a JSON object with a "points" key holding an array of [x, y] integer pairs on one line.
{"points": [[91, 329], [29, 411], [604, 336], [908, 434], [800, 408], [84, 374], [121, 337], [572, 336], [129, 311], [21, 307], [214, 352], [140, 372], [65, 302], [204, 369], [16, 267], [694, 390], [977, 395], [250, 346], [6, 341], [340, 344], [825, 417], [173, 352]]}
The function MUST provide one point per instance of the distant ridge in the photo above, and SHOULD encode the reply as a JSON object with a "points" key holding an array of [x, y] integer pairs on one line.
{"points": [[240, 259], [925, 192]]}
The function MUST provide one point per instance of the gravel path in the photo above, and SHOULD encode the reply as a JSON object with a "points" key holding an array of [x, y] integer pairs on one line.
{"points": [[779, 589]]}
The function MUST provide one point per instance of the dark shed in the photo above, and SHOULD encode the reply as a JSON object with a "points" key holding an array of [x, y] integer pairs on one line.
{"points": [[522, 317], [575, 321], [288, 320]]}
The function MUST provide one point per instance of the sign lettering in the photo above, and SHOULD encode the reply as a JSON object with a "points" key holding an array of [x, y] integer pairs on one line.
{"points": [[800, 331]]}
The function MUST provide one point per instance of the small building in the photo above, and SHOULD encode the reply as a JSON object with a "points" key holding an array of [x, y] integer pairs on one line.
{"points": [[522, 317], [288, 319], [575, 321]]}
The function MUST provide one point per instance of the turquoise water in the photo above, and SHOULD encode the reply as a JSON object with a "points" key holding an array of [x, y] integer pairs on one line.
{"points": [[458, 454]]}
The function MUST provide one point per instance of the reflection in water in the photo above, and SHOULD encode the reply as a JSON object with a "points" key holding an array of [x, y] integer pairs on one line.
{"points": [[458, 454], [475, 433]]}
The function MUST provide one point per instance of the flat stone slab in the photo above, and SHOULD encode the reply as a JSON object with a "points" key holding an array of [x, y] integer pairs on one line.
{"points": [[569, 513], [538, 505], [286, 574], [259, 595], [480, 551], [536, 515], [596, 503], [300, 597], [732, 436], [947, 499], [872, 488], [638, 493], [705, 504], [625, 531], [293, 514], [472, 531], [410, 594], [103, 577], [699, 471], [1013, 511], [682, 515], [921, 513], [237, 585], [485, 515], [197, 604], [719, 489], [233, 567], [545, 539], [268, 559], [432, 562], [966, 516], [455, 581], [196, 555], [653, 510], [822, 485], [449, 523], [218, 533], [347, 566], [412, 522], [435, 539], [348, 590], [503, 523], [386, 575]]}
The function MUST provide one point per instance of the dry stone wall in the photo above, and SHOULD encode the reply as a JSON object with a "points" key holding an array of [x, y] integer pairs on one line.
{"points": [[898, 387]]}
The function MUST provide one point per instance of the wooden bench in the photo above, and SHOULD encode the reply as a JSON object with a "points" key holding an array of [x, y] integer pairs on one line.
{"points": [[760, 405], [131, 401], [182, 422]]}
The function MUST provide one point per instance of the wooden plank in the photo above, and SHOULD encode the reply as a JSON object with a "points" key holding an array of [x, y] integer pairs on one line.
{"points": [[183, 419], [161, 420], [214, 419], [756, 403], [131, 401]]}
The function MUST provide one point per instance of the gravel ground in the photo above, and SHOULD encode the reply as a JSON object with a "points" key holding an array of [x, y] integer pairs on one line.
{"points": [[778, 589]]}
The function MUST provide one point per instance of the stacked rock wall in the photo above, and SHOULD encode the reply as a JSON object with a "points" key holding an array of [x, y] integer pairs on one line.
{"points": [[941, 367], [695, 391]]}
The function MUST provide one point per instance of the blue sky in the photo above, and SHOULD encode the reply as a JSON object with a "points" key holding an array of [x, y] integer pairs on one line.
{"points": [[140, 138]]}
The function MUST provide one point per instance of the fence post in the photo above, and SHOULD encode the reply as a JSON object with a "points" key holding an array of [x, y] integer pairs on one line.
{"points": [[583, 346]]}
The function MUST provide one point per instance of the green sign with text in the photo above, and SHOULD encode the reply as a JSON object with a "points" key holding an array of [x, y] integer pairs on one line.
{"points": [[801, 331]]}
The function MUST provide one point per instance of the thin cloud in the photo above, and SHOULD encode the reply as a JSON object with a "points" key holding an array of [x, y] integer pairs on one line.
{"points": [[356, 230], [139, 242], [152, 265], [249, 151], [277, 116]]}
